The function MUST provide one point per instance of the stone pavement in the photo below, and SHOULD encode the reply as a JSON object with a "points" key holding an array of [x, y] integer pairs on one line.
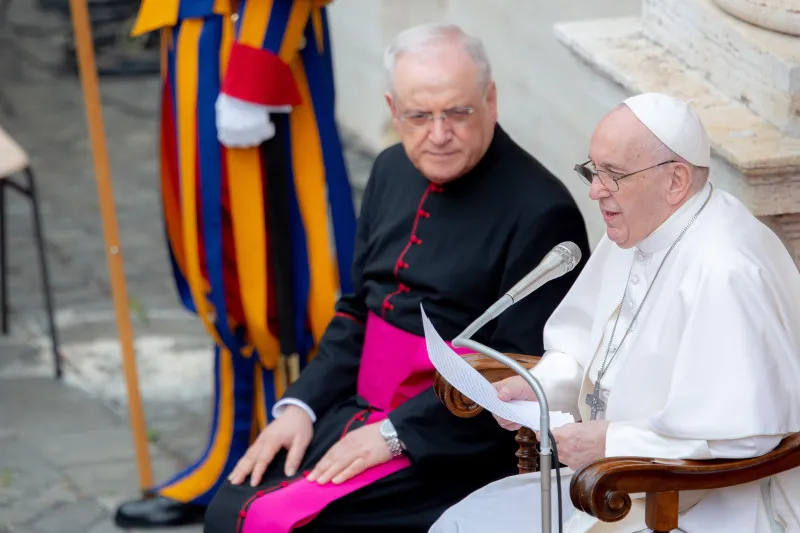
{"points": [[66, 459], [66, 456]]}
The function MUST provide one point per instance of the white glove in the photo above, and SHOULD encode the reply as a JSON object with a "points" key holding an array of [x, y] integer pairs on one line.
{"points": [[242, 124]]}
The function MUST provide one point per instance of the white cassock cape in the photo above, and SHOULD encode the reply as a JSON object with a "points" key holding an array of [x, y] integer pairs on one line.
{"points": [[711, 369]]}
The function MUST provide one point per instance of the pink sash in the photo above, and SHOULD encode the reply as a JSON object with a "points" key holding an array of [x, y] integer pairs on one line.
{"points": [[394, 368]]}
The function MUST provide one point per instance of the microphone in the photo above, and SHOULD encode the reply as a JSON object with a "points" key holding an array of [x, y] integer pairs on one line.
{"points": [[558, 261]]}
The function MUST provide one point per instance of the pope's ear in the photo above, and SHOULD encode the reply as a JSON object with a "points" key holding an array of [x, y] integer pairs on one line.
{"points": [[680, 183]]}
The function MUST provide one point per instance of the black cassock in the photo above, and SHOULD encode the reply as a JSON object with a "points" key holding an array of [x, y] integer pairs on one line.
{"points": [[456, 249]]}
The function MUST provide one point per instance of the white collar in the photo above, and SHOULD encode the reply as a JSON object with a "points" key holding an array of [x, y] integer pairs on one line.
{"points": [[668, 231]]}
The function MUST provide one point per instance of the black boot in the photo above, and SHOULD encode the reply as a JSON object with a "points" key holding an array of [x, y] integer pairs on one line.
{"points": [[158, 512]]}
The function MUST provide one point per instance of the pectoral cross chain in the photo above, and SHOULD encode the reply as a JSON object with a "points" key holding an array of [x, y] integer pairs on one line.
{"points": [[597, 402]]}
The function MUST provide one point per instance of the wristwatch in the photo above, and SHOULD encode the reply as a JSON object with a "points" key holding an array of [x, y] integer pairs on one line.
{"points": [[392, 440]]}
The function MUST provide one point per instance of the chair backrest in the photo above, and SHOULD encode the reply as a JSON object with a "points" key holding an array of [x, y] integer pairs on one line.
{"points": [[13, 158]]}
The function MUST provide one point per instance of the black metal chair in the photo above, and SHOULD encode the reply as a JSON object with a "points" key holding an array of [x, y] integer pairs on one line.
{"points": [[14, 161]]}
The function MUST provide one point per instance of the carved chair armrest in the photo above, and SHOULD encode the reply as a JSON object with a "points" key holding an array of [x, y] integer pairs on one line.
{"points": [[461, 406], [603, 488]]}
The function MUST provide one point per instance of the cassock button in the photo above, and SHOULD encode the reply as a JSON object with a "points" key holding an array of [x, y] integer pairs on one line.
{"points": [[634, 280], [630, 304], [640, 256]]}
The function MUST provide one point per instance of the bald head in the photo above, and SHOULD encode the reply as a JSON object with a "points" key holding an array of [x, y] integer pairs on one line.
{"points": [[624, 140]]}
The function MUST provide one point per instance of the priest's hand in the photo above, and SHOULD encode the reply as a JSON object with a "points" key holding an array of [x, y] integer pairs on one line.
{"points": [[360, 449], [513, 388], [582, 443], [292, 430]]}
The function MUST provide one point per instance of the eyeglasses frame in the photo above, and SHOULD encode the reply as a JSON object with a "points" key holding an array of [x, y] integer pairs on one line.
{"points": [[431, 117], [596, 173]]}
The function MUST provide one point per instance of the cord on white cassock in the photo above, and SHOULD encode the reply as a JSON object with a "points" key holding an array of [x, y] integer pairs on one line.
{"points": [[561, 260]]}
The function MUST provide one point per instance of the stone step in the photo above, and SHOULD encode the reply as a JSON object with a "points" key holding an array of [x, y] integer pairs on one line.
{"points": [[756, 66]]}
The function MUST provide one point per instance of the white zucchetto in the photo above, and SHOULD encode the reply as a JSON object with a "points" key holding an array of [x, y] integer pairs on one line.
{"points": [[675, 124]]}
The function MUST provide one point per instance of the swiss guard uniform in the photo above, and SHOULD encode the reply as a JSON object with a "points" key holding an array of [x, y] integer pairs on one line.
{"points": [[247, 211]]}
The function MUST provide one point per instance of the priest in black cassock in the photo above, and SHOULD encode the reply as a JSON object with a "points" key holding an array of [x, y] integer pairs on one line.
{"points": [[451, 218]]}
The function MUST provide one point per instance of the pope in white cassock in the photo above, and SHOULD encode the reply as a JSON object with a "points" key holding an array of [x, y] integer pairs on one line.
{"points": [[679, 340]]}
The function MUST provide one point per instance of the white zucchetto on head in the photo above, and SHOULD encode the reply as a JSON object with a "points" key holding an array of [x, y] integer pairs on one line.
{"points": [[675, 124]]}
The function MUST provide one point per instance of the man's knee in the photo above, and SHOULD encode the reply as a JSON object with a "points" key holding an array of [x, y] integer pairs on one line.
{"points": [[225, 508]]}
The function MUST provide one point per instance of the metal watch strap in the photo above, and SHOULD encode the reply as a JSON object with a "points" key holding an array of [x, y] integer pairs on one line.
{"points": [[394, 446], [392, 440]]}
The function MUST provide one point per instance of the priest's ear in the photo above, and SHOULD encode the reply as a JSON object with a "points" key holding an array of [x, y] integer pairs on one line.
{"points": [[491, 100], [681, 183], [391, 103]]}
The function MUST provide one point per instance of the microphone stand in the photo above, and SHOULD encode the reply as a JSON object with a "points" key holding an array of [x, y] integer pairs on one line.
{"points": [[545, 453], [561, 259]]}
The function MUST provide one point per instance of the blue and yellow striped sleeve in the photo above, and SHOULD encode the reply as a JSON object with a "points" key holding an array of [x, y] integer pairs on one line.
{"points": [[160, 14]]}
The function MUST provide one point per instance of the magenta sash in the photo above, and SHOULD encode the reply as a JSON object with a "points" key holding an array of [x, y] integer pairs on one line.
{"points": [[394, 368]]}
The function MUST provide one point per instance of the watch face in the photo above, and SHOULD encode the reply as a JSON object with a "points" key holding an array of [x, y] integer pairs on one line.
{"points": [[386, 429]]}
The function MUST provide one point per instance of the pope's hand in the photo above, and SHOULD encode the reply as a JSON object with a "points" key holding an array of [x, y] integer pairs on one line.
{"points": [[582, 443], [360, 449], [513, 388], [292, 430]]}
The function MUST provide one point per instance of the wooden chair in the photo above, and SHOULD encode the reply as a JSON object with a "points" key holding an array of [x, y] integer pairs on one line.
{"points": [[603, 488], [13, 161]]}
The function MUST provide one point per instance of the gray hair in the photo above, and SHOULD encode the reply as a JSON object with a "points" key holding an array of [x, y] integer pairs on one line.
{"points": [[416, 39], [663, 152]]}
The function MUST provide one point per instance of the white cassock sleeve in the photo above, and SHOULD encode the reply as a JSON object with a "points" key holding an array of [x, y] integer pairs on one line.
{"points": [[566, 335], [637, 440], [734, 386], [560, 376]]}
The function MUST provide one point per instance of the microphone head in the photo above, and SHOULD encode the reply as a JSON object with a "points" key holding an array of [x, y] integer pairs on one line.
{"points": [[558, 261], [570, 254]]}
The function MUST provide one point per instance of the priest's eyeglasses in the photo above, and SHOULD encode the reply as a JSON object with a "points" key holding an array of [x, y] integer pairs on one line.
{"points": [[608, 179], [456, 115]]}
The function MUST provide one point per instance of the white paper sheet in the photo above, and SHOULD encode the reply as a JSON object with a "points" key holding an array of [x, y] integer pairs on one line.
{"points": [[469, 382]]}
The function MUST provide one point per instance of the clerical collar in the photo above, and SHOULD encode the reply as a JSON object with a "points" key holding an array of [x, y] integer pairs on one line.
{"points": [[663, 237]]}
